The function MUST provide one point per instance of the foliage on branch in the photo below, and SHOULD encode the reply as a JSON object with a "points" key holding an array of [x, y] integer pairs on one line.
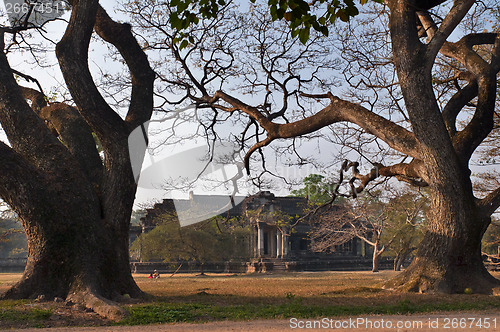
{"points": [[301, 15], [316, 189]]}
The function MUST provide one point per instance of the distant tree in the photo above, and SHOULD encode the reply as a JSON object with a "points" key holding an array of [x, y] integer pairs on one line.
{"points": [[204, 242], [135, 219], [374, 222], [491, 239], [316, 189], [490, 248], [12, 238], [406, 216], [341, 224]]}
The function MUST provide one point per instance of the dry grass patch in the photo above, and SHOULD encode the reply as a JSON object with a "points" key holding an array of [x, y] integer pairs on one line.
{"points": [[303, 284], [8, 279], [313, 288], [192, 298]]}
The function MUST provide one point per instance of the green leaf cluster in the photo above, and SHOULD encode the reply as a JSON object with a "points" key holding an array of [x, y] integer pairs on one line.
{"points": [[187, 12], [316, 189], [301, 15]]}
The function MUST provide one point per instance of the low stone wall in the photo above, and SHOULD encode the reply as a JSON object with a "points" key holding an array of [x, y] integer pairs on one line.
{"points": [[12, 265], [344, 264], [263, 266], [189, 267]]}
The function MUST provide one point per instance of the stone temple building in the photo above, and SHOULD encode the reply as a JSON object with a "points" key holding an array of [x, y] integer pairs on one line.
{"points": [[277, 241]]}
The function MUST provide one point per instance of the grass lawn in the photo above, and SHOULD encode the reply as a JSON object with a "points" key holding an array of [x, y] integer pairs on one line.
{"points": [[191, 298]]}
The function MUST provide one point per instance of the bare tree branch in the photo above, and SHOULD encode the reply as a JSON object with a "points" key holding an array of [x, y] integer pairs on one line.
{"points": [[339, 110], [26, 132], [466, 141], [491, 202], [72, 52], [120, 35], [450, 22], [455, 105]]}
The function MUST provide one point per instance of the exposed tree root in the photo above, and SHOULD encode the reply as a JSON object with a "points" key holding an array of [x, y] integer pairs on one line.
{"points": [[100, 305], [84, 296], [426, 278], [105, 308]]}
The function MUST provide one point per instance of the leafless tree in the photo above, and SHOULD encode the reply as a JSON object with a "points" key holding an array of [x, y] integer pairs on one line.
{"points": [[374, 222]]}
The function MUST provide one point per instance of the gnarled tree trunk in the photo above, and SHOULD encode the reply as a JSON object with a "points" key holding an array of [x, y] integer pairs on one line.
{"points": [[449, 258], [75, 208]]}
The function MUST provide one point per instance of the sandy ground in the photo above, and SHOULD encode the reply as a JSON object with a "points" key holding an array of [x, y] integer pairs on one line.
{"points": [[484, 321]]}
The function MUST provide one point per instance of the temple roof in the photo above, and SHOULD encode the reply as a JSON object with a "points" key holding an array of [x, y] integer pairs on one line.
{"points": [[262, 201]]}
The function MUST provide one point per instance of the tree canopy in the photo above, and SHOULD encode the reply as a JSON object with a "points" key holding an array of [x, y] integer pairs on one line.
{"points": [[209, 241], [420, 83], [315, 189]]}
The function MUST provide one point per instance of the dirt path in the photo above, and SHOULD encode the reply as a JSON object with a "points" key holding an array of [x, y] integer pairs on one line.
{"points": [[470, 322]]}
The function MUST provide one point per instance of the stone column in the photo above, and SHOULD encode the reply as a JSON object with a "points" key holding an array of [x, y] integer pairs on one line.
{"points": [[253, 242], [260, 240], [272, 243], [284, 242], [279, 244]]}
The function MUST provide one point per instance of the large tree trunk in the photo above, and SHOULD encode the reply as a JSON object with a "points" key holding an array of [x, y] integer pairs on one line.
{"points": [[73, 253], [75, 207], [449, 258]]}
